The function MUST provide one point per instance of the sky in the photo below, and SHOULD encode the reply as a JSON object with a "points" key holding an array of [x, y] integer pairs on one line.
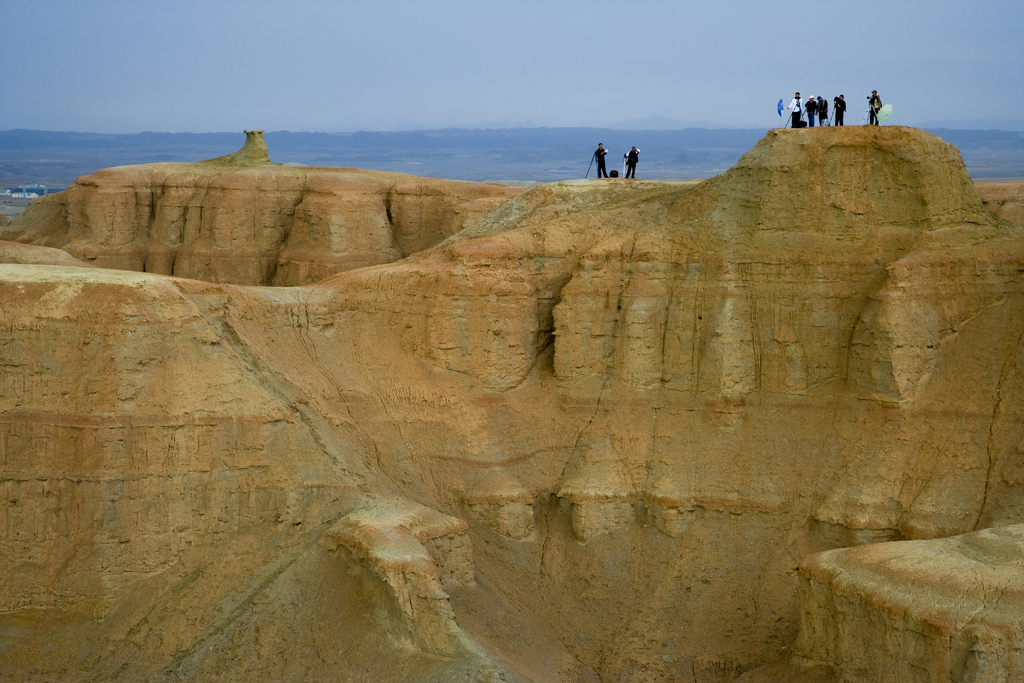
{"points": [[126, 66]]}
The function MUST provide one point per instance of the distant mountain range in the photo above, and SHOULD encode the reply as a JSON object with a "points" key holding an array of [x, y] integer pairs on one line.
{"points": [[978, 124], [55, 159]]}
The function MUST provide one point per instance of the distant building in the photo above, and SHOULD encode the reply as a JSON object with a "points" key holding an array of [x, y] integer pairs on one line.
{"points": [[29, 191]]}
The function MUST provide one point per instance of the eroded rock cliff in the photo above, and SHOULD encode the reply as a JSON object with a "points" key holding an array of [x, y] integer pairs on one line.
{"points": [[1004, 198], [589, 437], [239, 219], [941, 610]]}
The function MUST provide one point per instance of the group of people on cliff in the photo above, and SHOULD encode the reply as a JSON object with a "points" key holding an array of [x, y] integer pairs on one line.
{"points": [[632, 158], [813, 108], [818, 108]]}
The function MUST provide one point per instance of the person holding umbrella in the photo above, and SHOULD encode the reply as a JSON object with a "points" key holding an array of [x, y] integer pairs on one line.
{"points": [[631, 160], [874, 104]]}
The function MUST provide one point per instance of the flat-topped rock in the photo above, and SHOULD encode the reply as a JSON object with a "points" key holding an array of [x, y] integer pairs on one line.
{"points": [[240, 219], [941, 610]]}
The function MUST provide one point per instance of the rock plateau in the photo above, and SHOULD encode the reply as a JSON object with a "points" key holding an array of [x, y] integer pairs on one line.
{"points": [[240, 219], [768, 425]]}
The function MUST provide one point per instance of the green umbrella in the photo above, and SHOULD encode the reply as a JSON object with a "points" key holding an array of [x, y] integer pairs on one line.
{"points": [[884, 112]]}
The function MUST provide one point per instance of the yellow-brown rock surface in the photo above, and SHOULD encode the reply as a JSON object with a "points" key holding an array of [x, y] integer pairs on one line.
{"points": [[15, 252], [590, 437], [239, 219], [1004, 198], [941, 610]]}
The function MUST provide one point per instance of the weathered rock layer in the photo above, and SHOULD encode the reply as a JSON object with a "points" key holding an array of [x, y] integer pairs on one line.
{"points": [[589, 437], [941, 610], [1004, 198], [238, 219]]}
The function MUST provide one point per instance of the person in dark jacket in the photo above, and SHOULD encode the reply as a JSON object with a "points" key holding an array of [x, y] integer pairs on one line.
{"points": [[599, 155], [839, 109], [631, 160], [822, 111], [811, 108]]}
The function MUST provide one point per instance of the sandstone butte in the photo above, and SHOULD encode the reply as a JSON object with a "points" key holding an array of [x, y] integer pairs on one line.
{"points": [[767, 426]]}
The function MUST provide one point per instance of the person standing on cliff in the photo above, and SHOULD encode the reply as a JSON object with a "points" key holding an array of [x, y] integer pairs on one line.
{"points": [[839, 108], [599, 155], [822, 111], [874, 104], [811, 108], [796, 106], [631, 160]]}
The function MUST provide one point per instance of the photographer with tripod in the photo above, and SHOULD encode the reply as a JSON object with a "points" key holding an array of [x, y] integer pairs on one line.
{"points": [[632, 158], [599, 154], [796, 107], [838, 109]]}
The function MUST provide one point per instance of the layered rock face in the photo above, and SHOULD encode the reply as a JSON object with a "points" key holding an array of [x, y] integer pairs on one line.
{"points": [[942, 610], [1004, 198], [239, 219], [130, 432], [590, 437], [15, 252]]}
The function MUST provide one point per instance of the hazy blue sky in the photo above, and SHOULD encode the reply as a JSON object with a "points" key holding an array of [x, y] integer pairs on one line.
{"points": [[129, 66]]}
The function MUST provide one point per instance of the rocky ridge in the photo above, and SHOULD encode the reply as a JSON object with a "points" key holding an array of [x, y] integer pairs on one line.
{"points": [[591, 436], [240, 219], [943, 609]]}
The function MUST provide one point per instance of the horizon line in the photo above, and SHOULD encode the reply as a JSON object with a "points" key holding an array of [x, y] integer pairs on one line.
{"points": [[934, 125]]}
